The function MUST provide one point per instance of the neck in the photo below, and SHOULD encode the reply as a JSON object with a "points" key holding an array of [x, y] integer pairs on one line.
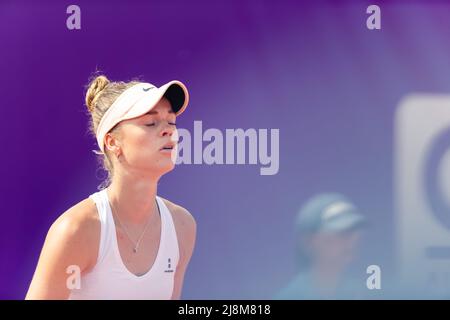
{"points": [[133, 198]]}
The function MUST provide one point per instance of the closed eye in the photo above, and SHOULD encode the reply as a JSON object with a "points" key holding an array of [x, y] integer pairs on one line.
{"points": [[153, 124]]}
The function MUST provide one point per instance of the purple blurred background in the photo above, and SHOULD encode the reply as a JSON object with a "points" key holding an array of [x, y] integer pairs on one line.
{"points": [[312, 70]]}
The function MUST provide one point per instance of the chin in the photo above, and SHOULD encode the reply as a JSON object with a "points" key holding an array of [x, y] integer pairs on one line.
{"points": [[157, 168], [166, 166], [170, 167]]}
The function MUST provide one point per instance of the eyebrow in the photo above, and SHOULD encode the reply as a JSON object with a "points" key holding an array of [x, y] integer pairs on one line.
{"points": [[151, 112]]}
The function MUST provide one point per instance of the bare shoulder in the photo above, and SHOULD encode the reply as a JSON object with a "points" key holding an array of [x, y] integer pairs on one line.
{"points": [[78, 230], [182, 216], [80, 219], [69, 243]]}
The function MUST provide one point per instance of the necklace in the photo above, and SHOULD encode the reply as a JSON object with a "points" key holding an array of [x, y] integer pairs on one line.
{"points": [[135, 244]]}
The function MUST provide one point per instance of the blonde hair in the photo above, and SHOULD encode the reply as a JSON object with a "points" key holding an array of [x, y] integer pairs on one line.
{"points": [[100, 95]]}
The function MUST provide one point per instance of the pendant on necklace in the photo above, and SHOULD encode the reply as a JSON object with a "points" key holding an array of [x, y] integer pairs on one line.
{"points": [[134, 250]]}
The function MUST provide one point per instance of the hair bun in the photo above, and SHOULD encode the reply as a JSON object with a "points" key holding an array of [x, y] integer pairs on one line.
{"points": [[94, 90]]}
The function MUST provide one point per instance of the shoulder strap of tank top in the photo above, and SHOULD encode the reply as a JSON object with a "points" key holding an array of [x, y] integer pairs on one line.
{"points": [[169, 226], [100, 198]]}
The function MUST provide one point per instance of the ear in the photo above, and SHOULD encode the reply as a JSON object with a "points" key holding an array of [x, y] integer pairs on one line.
{"points": [[112, 143]]}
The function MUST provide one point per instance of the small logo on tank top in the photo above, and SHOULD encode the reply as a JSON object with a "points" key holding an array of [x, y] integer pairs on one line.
{"points": [[169, 266]]}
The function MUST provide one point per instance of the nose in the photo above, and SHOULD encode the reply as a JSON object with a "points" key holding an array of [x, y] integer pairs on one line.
{"points": [[168, 130]]}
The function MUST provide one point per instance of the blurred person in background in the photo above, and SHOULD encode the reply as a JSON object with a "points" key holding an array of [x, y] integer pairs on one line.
{"points": [[328, 231]]}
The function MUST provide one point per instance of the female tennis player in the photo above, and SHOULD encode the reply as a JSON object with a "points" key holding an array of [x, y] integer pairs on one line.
{"points": [[124, 241]]}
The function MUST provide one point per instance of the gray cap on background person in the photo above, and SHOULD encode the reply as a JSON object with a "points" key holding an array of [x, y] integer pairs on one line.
{"points": [[329, 212]]}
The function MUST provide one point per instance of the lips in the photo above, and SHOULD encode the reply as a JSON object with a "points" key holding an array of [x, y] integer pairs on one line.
{"points": [[168, 146]]}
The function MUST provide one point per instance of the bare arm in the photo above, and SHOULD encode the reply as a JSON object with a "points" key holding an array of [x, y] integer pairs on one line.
{"points": [[65, 249]]}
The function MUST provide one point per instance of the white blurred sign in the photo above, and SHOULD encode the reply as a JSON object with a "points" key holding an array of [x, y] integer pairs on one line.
{"points": [[422, 191]]}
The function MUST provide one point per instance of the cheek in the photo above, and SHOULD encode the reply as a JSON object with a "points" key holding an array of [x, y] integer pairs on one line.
{"points": [[139, 141]]}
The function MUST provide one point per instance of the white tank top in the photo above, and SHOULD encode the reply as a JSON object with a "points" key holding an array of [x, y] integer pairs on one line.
{"points": [[110, 279]]}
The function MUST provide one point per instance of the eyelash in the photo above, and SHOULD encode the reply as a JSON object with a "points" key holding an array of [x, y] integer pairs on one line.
{"points": [[152, 124]]}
